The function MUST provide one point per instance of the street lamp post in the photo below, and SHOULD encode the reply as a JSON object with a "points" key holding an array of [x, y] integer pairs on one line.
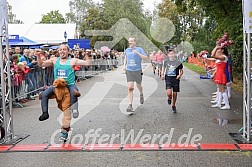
{"points": [[65, 35]]}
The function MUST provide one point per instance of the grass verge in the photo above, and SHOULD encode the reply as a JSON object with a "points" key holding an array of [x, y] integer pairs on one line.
{"points": [[195, 68], [237, 85]]}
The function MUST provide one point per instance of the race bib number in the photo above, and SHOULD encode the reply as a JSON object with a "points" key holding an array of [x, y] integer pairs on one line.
{"points": [[62, 73]]}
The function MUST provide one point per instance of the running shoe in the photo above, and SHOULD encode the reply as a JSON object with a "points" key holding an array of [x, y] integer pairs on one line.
{"points": [[174, 110], [130, 108], [169, 101], [44, 116], [141, 99], [63, 136], [75, 113]]}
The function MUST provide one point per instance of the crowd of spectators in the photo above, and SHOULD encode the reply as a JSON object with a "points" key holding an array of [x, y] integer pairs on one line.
{"points": [[28, 79]]}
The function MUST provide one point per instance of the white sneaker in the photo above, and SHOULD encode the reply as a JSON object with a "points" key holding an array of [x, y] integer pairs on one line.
{"points": [[75, 113], [214, 101], [226, 107], [216, 105], [214, 96]]}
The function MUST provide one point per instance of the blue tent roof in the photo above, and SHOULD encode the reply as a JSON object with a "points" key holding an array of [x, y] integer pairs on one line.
{"points": [[54, 47], [23, 41], [26, 39]]}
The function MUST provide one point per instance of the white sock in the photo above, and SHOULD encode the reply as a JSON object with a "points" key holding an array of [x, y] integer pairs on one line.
{"points": [[219, 98], [229, 91], [225, 97]]}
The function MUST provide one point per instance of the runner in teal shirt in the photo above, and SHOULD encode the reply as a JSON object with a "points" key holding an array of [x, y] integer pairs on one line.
{"points": [[63, 68], [64, 71]]}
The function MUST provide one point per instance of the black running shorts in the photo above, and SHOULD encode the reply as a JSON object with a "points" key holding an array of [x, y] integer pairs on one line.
{"points": [[172, 83]]}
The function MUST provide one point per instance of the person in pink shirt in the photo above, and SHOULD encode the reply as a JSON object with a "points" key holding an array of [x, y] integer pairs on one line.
{"points": [[154, 61], [160, 58]]}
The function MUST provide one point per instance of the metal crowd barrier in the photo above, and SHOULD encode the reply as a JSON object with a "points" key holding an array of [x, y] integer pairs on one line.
{"points": [[38, 79], [29, 85], [98, 66]]}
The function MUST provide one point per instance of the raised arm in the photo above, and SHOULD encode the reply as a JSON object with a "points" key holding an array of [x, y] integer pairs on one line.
{"points": [[213, 54], [87, 62], [46, 63], [216, 55]]}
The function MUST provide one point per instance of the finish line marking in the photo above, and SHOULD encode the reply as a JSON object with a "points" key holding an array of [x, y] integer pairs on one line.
{"points": [[126, 147]]}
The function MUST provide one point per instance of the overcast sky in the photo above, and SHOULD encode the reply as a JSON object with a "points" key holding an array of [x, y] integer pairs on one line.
{"points": [[31, 11]]}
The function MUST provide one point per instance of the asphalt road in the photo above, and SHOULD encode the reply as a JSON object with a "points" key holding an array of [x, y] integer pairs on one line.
{"points": [[103, 110]]}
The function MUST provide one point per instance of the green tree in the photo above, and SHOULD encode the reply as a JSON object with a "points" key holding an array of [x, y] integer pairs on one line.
{"points": [[130, 9], [11, 16], [187, 16], [103, 16], [202, 22], [168, 9], [93, 21], [78, 10], [204, 39], [53, 17], [228, 16]]}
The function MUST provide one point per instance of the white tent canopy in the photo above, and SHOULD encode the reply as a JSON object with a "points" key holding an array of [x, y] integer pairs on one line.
{"points": [[43, 33]]}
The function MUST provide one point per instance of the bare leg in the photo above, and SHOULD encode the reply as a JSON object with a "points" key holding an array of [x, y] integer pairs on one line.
{"points": [[140, 88], [174, 98], [169, 93], [130, 92]]}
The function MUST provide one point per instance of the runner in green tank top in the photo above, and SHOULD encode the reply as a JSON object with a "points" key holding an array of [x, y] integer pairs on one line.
{"points": [[63, 68], [64, 71]]}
